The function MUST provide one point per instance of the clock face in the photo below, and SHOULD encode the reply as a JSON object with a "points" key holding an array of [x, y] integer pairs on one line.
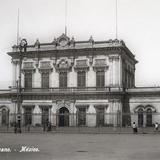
{"points": [[63, 42]]}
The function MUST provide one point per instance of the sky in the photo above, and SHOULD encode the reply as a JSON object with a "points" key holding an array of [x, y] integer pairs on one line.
{"points": [[138, 26]]}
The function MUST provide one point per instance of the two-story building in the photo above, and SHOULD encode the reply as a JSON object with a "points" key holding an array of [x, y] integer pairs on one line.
{"points": [[77, 83]]}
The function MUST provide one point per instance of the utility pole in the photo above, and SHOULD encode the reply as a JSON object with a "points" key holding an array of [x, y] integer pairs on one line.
{"points": [[22, 48]]}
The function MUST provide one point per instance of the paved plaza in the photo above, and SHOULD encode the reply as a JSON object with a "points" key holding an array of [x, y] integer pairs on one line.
{"points": [[80, 146]]}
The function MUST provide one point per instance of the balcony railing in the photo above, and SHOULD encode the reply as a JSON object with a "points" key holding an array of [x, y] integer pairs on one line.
{"points": [[73, 89]]}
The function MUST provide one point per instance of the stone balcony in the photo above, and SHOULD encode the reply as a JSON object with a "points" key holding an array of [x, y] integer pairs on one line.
{"points": [[73, 90]]}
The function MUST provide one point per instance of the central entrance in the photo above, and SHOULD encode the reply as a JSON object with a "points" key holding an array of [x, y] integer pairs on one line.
{"points": [[63, 117]]}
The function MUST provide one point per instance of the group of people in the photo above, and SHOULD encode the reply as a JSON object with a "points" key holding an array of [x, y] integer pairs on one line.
{"points": [[135, 129]]}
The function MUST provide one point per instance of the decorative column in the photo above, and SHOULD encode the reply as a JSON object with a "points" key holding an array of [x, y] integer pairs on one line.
{"points": [[37, 75], [72, 75], [73, 113], [91, 77], [111, 71], [53, 113], [117, 71], [120, 71], [91, 116]]}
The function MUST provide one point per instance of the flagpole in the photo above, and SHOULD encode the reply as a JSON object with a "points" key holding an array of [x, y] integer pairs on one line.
{"points": [[65, 17], [18, 28], [116, 19]]}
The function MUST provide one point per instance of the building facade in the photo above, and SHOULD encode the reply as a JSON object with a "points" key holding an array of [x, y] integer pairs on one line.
{"points": [[77, 83]]}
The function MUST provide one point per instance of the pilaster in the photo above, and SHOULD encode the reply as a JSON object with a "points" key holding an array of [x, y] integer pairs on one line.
{"points": [[114, 70], [91, 78], [91, 116]]}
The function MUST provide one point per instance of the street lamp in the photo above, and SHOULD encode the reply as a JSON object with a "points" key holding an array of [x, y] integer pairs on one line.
{"points": [[22, 48]]}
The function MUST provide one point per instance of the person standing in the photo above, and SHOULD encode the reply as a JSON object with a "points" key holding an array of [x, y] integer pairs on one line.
{"points": [[134, 127], [156, 126]]}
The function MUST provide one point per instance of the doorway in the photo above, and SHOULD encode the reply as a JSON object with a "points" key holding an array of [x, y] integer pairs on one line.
{"points": [[4, 117], [140, 117], [149, 118], [63, 117]]}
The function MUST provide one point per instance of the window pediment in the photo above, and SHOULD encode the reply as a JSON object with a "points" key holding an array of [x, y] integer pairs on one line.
{"points": [[82, 106], [45, 66], [28, 67], [81, 65], [45, 106], [100, 64], [63, 65]]}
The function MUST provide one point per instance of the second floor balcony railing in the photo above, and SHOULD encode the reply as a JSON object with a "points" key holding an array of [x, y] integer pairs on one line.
{"points": [[73, 89]]}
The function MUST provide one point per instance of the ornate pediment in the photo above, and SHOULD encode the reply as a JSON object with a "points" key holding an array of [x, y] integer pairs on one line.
{"points": [[63, 103], [63, 40], [63, 65]]}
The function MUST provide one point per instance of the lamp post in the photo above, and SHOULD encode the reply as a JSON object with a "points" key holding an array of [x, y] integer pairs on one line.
{"points": [[22, 48]]}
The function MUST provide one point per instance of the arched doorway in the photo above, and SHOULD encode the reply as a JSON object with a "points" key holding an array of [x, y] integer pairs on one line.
{"points": [[4, 117], [63, 117], [149, 117], [140, 117]]}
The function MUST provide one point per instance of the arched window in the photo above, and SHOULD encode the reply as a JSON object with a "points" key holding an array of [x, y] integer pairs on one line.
{"points": [[140, 117], [149, 117], [4, 116]]}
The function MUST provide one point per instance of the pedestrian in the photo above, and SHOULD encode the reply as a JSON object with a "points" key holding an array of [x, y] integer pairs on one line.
{"points": [[49, 126], [134, 127], [15, 127], [156, 126]]}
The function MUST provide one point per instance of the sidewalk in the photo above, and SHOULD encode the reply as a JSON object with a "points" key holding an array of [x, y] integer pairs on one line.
{"points": [[91, 130]]}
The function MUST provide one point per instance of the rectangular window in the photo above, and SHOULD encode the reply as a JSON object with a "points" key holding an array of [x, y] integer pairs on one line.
{"points": [[28, 80], [81, 79], [28, 116], [100, 78], [82, 116], [45, 115], [100, 116], [45, 80], [63, 79]]}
